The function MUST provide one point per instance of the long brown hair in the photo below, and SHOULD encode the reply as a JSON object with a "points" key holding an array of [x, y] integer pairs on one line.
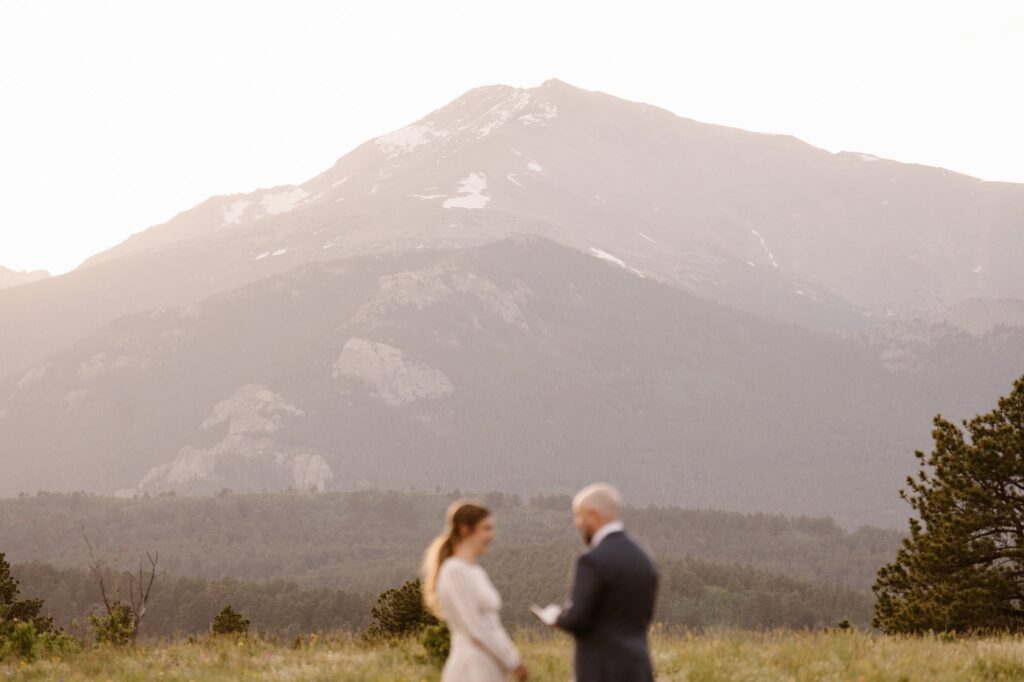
{"points": [[462, 519]]}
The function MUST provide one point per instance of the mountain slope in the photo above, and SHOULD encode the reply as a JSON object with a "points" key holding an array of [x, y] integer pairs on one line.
{"points": [[520, 365], [673, 197], [12, 278], [765, 223]]}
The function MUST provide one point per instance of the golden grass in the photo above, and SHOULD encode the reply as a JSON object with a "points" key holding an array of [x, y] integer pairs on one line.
{"points": [[727, 656]]}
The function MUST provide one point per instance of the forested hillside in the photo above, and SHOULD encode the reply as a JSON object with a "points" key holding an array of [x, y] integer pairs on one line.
{"points": [[370, 541], [187, 605], [695, 594], [296, 562]]}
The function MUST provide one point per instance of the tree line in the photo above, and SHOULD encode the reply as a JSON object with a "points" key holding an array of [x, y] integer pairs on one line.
{"points": [[695, 594], [187, 606], [366, 542]]}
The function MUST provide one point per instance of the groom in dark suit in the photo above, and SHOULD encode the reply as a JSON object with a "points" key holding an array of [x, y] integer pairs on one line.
{"points": [[612, 596]]}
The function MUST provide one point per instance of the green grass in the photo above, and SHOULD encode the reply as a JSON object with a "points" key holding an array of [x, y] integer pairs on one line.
{"points": [[729, 656]]}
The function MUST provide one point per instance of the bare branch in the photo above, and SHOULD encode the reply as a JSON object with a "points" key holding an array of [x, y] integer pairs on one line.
{"points": [[96, 568]]}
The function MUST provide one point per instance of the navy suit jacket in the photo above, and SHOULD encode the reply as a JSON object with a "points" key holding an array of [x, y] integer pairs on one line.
{"points": [[612, 606]]}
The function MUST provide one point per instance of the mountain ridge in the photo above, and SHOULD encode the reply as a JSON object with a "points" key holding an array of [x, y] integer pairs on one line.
{"points": [[521, 286], [762, 222], [13, 278]]}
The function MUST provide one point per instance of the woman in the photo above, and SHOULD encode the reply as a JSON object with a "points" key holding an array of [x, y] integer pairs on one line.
{"points": [[457, 590]]}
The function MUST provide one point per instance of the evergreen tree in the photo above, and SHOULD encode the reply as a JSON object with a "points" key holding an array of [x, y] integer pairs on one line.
{"points": [[962, 568], [116, 627], [21, 610], [400, 612], [230, 622]]}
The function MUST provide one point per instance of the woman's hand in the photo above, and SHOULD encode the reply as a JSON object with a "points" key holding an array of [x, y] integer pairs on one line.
{"points": [[520, 673]]}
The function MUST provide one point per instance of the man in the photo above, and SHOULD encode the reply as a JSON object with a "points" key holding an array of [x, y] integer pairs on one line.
{"points": [[612, 596]]}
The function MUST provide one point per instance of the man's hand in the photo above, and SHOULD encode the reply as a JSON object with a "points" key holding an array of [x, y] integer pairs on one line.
{"points": [[520, 672]]}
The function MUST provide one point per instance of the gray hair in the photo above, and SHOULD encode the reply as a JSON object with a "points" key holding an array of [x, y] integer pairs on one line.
{"points": [[602, 498]]}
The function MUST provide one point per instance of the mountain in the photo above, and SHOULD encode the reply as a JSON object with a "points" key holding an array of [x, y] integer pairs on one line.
{"points": [[521, 291], [12, 278], [983, 316], [521, 365], [765, 223]]}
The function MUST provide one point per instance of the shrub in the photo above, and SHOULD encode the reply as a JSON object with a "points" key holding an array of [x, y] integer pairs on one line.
{"points": [[230, 622], [437, 640], [116, 627], [400, 613], [18, 640], [13, 609]]}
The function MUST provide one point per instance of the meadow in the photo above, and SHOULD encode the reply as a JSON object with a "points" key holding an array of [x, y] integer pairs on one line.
{"points": [[729, 656]]}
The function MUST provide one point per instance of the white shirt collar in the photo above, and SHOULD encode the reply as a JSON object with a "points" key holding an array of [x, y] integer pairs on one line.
{"points": [[606, 530]]}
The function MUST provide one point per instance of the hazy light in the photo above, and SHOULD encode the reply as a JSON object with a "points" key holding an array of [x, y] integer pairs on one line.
{"points": [[116, 115]]}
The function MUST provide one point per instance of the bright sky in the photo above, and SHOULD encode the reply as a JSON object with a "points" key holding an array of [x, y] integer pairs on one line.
{"points": [[116, 115]]}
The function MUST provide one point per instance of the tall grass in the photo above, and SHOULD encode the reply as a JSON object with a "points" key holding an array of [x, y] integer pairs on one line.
{"points": [[728, 656]]}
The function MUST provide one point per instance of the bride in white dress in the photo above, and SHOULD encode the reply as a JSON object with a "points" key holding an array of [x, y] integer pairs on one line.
{"points": [[457, 590]]}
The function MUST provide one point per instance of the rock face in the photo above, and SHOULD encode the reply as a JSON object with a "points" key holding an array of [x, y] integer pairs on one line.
{"points": [[393, 378], [419, 289], [247, 456]]}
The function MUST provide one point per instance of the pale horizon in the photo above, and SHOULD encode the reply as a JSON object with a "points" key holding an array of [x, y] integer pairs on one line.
{"points": [[120, 116]]}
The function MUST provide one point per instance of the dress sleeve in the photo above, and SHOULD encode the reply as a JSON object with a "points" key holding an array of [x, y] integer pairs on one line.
{"points": [[467, 593]]}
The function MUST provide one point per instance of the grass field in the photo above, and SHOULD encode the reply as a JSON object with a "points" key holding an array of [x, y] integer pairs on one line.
{"points": [[730, 656]]}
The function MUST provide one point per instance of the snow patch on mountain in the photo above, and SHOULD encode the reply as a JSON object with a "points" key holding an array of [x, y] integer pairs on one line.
{"points": [[393, 378], [283, 202], [502, 111], [535, 167], [233, 212], [545, 111], [499, 104], [405, 140], [604, 255], [471, 188], [764, 245]]}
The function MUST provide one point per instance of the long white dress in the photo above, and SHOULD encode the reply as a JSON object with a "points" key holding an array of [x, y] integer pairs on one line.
{"points": [[481, 649]]}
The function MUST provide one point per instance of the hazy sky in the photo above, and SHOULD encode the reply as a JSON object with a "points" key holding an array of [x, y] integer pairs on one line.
{"points": [[116, 115]]}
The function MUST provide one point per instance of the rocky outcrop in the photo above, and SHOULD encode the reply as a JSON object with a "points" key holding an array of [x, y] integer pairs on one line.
{"points": [[247, 457], [420, 289], [392, 378]]}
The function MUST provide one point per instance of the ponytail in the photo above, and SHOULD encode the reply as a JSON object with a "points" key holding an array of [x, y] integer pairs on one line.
{"points": [[440, 549], [463, 514]]}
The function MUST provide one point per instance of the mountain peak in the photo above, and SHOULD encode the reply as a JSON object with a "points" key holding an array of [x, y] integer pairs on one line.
{"points": [[555, 83]]}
